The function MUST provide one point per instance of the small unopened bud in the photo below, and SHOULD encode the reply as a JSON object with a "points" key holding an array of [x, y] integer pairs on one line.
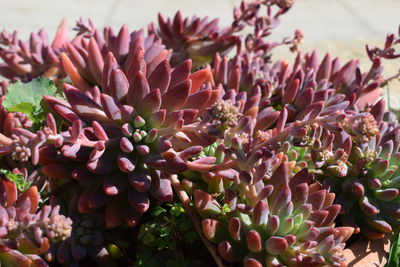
{"points": [[234, 227], [127, 129], [273, 224], [125, 165], [126, 145], [358, 189], [276, 245], [387, 194], [151, 136], [143, 150], [139, 122], [137, 137], [143, 133], [374, 183], [253, 240]]}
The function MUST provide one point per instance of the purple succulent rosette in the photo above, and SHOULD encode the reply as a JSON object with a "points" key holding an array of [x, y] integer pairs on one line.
{"points": [[120, 145], [33, 58], [25, 232]]}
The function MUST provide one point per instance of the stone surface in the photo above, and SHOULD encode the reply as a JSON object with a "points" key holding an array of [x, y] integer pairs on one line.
{"points": [[365, 253]]}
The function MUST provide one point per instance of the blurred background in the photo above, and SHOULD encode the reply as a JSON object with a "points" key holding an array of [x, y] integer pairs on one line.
{"points": [[341, 27]]}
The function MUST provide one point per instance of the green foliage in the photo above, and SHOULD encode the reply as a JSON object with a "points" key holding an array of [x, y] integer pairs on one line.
{"points": [[167, 228], [165, 236], [176, 210], [225, 209], [18, 179], [393, 258], [27, 98]]}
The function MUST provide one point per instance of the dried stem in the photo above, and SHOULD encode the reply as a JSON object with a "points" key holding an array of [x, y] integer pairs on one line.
{"points": [[184, 198], [387, 80]]}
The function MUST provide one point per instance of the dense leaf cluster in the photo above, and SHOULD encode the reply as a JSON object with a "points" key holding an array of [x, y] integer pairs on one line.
{"points": [[187, 146]]}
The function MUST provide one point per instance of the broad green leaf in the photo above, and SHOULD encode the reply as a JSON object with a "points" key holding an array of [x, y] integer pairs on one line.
{"points": [[27, 98], [26, 108], [31, 92]]}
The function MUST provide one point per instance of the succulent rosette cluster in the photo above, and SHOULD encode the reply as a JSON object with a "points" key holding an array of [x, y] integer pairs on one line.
{"points": [[87, 240], [289, 222], [274, 164], [38, 56], [367, 185], [195, 38], [10, 121], [26, 232], [123, 132], [14, 145], [248, 175], [200, 38]]}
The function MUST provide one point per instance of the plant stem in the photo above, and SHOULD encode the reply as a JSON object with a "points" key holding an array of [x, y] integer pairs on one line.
{"points": [[184, 198]]}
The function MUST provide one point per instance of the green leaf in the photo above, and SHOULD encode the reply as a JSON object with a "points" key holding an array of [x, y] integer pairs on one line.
{"points": [[177, 210], [18, 179], [393, 258], [160, 244], [27, 97], [225, 209], [148, 238], [31, 92], [26, 108], [158, 210]]}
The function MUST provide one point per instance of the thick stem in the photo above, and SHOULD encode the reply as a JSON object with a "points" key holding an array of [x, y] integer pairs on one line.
{"points": [[184, 198]]}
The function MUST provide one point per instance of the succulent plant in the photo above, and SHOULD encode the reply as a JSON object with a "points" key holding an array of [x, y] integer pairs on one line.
{"points": [[195, 38], [262, 16], [290, 222], [34, 58], [200, 39], [91, 54], [26, 233], [17, 141], [305, 83], [368, 191], [119, 136], [87, 239], [241, 172], [274, 164], [389, 49]]}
